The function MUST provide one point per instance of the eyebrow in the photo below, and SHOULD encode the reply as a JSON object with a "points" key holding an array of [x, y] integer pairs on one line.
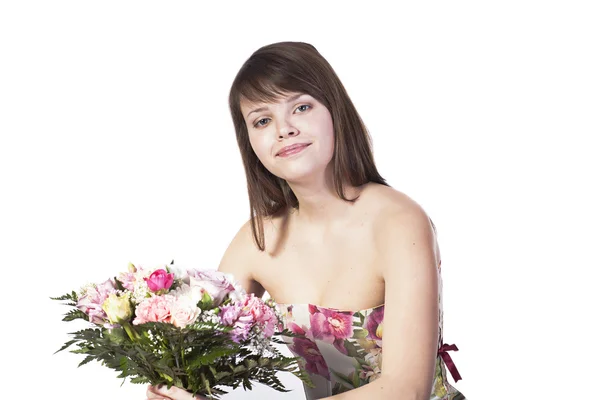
{"points": [[265, 108]]}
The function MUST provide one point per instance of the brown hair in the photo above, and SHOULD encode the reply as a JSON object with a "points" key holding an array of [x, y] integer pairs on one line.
{"points": [[271, 72]]}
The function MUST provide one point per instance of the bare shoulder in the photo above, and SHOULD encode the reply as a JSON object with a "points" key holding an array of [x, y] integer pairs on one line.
{"points": [[400, 219], [240, 259], [388, 202]]}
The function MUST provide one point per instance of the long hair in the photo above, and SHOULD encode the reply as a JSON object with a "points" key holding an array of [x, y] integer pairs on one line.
{"points": [[271, 72]]}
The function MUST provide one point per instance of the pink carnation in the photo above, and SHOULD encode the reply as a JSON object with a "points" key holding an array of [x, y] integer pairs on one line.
{"points": [[154, 309], [246, 314], [242, 322]]}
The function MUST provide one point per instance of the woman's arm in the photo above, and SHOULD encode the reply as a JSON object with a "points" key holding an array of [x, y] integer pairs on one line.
{"points": [[409, 262], [239, 260]]}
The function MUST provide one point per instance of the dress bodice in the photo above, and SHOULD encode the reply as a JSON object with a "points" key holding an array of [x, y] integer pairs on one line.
{"points": [[342, 350]]}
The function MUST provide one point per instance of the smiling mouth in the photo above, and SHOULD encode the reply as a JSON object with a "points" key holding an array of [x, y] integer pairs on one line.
{"points": [[293, 151]]}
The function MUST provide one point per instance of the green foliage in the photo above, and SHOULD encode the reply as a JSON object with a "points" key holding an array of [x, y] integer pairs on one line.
{"points": [[71, 298], [75, 314], [206, 303], [201, 358]]}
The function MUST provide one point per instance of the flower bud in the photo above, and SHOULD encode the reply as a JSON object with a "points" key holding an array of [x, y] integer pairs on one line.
{"points": [[159, 280], [131, 268]]}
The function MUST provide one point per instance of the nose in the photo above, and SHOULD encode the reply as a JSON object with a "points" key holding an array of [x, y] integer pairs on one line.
{"points": [[287, 129]]}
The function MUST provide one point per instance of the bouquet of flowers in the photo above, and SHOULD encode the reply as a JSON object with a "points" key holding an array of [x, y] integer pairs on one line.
{"points": [[195, 329]]}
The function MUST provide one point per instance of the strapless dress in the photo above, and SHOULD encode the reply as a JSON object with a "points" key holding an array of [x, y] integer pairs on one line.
{"points": [[342, 350]]}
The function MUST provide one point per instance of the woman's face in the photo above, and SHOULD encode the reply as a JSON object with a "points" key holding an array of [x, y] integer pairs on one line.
{"points": [[296, 119]]}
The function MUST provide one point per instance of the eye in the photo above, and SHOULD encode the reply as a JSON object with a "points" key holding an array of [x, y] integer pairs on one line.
{"points": [[259, 124], [303, 105], [263, 121]]}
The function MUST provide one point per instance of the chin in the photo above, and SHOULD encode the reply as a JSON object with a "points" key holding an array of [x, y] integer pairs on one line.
{"points": [[303, 176]]}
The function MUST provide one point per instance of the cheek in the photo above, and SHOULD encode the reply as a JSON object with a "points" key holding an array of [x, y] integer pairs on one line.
{"points": [[329, 137], [327, 132], [260, 147]]}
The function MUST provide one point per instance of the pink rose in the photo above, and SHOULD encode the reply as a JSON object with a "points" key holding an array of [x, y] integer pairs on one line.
{"points": [[183, 312], [159, 280]]}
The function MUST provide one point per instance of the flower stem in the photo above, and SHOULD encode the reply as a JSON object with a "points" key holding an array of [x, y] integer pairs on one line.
{"points": [[132, 335]]}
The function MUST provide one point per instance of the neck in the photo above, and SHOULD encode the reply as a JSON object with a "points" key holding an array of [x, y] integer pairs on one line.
{"points": [[320, 206]]}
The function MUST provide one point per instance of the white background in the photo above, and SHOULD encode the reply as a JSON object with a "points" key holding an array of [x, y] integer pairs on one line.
{"points": [[117, 146]]}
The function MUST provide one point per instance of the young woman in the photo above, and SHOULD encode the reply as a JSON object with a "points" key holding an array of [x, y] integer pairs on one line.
{"points": [[330, 240]]}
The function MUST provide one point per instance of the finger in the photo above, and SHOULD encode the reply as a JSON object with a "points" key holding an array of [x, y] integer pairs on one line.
{"points": [[176, 393], [151, 394]]}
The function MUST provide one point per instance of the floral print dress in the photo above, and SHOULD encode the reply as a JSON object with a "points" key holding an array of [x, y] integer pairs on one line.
{"points": [[341, 350]]}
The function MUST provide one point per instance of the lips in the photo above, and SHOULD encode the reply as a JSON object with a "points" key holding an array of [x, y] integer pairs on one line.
{"points": [[292, 147]]}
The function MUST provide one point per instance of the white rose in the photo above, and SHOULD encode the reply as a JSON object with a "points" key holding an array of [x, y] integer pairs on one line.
{"points": [[180, 274], [192, 293]]}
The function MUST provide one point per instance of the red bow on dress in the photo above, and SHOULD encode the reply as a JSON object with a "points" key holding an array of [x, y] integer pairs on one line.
{"points": [[443, 352]]}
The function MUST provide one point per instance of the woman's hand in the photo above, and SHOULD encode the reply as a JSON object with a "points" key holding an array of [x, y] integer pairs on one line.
{"points": [[161, 392]]}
